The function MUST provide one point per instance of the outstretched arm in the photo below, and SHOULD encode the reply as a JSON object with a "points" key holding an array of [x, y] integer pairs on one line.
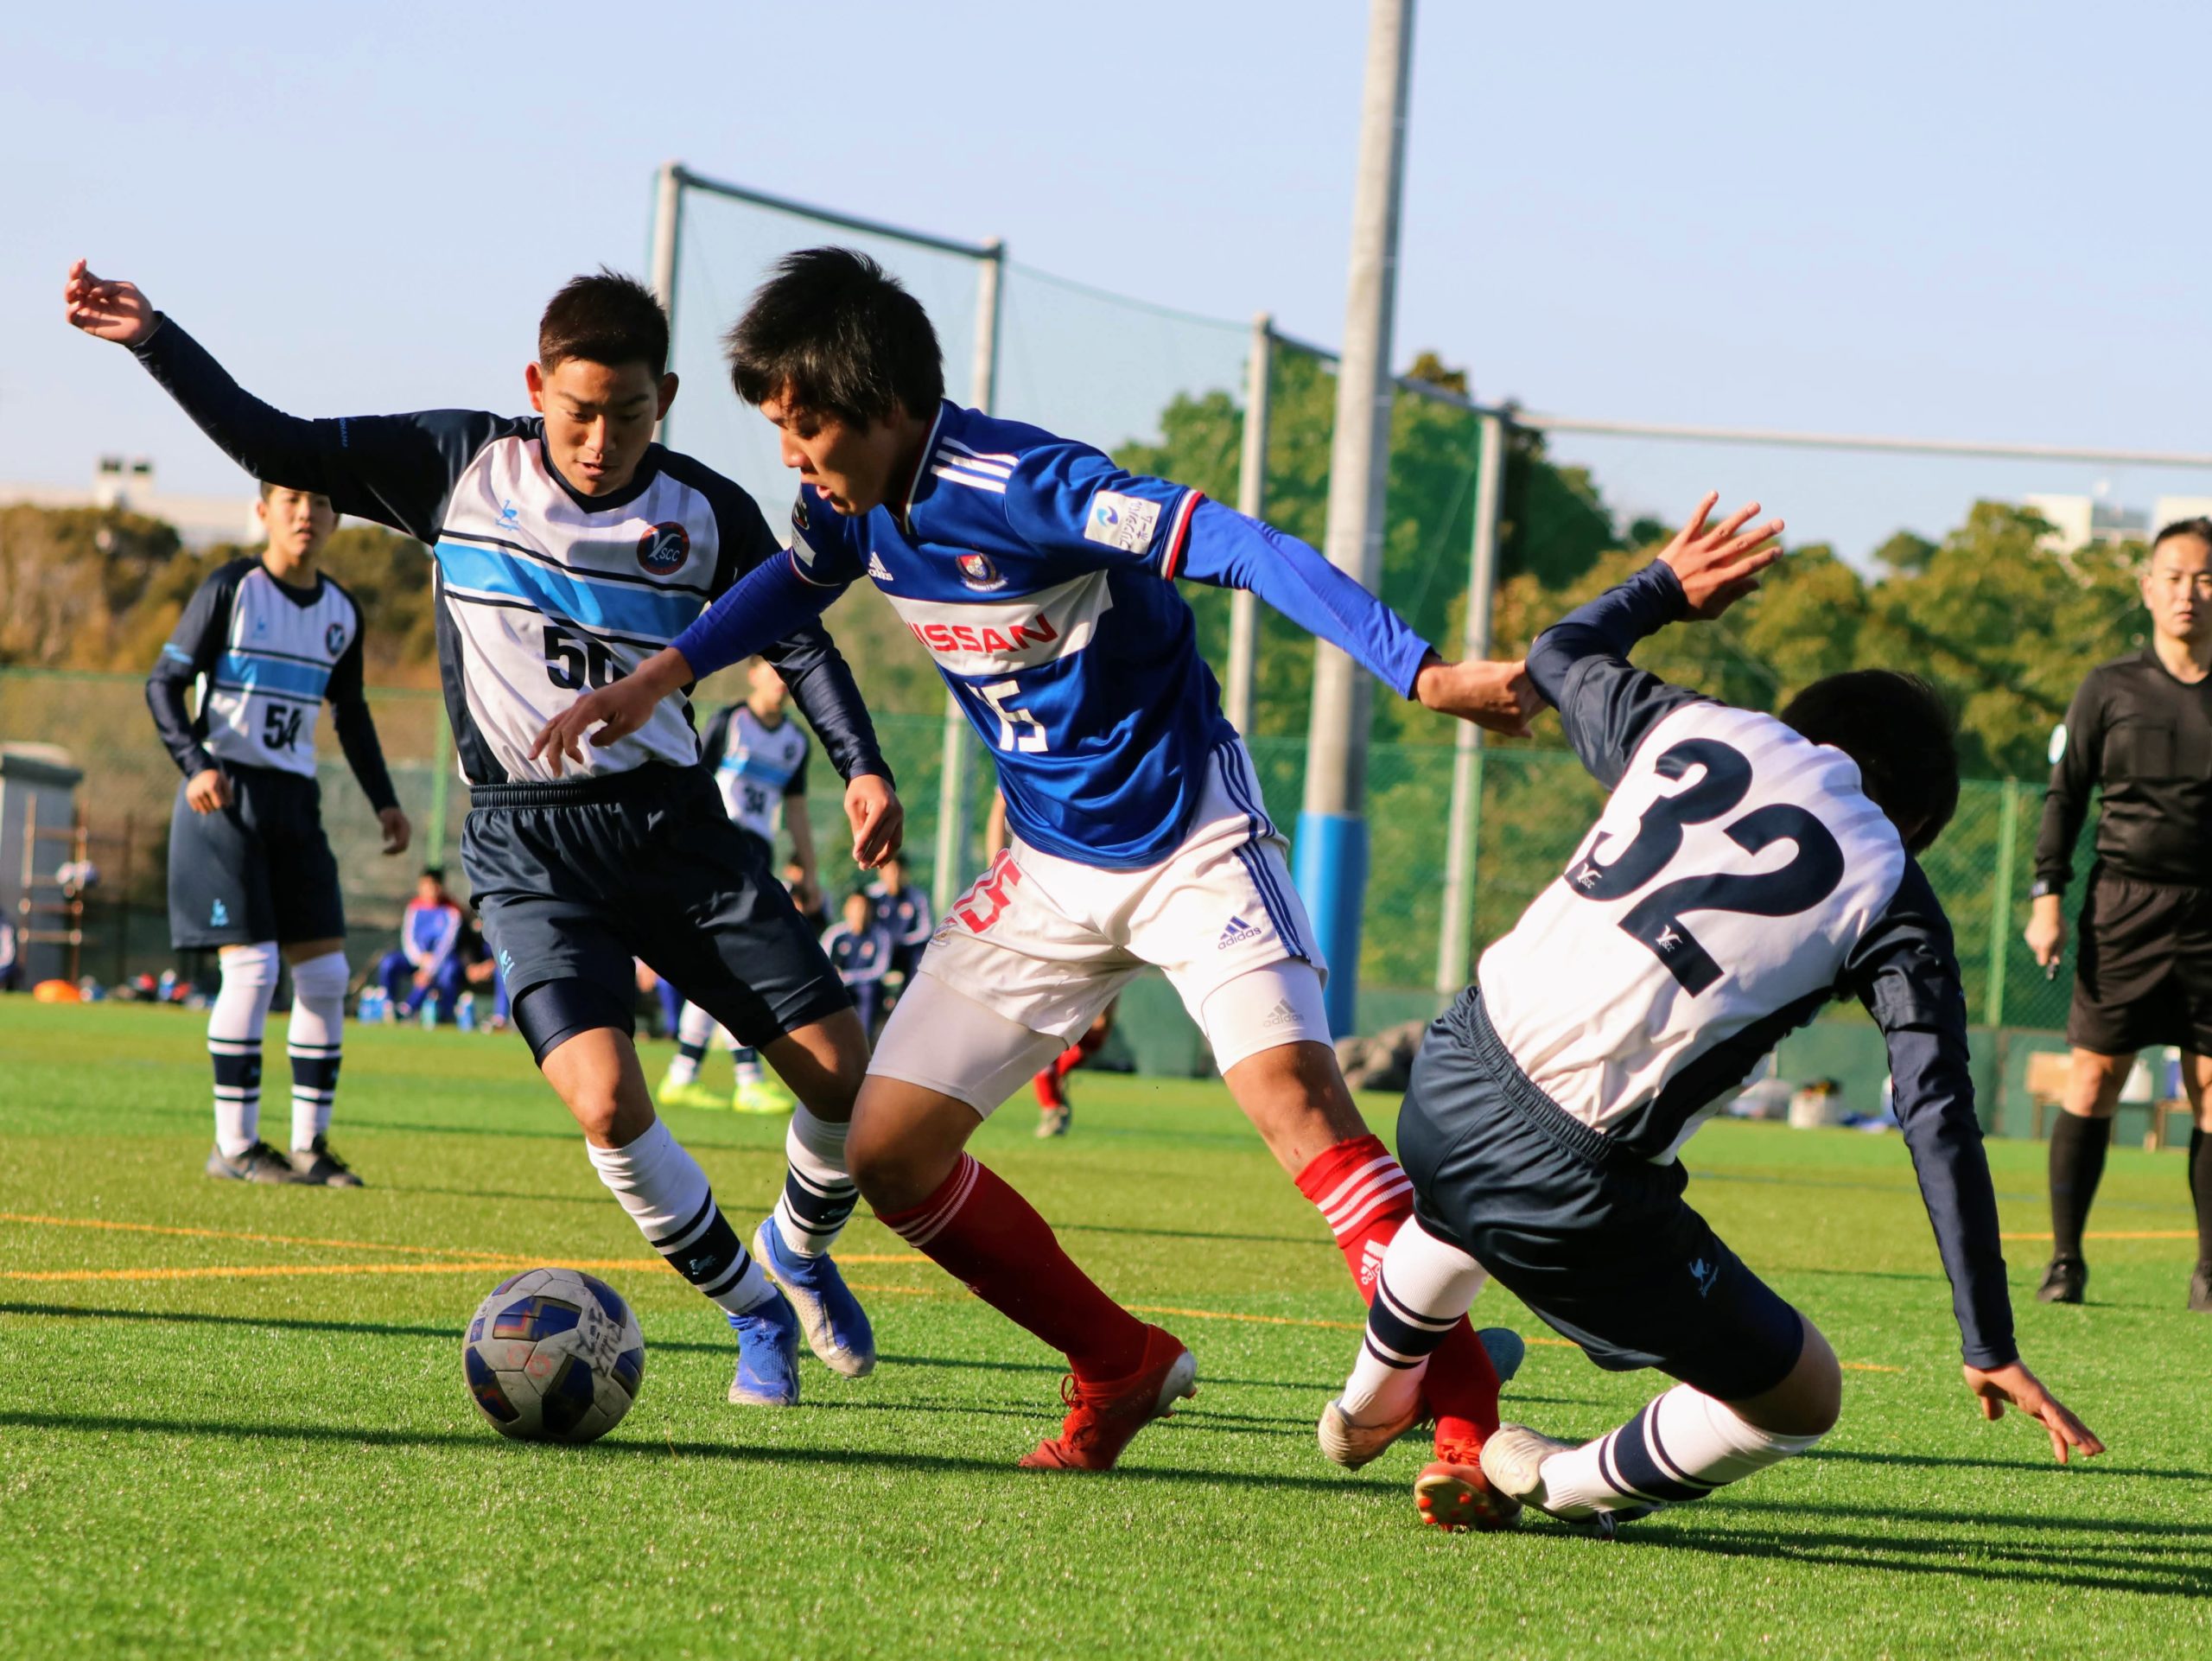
{"points": [[1580, 663]]}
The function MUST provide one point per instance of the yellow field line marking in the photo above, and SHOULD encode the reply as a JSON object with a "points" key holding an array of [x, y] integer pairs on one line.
{"points": [[233, 1234]]}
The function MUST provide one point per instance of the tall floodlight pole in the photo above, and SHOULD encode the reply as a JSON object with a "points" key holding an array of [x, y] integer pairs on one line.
{"points": [[1455, 945], [950, 874], [1252, 502], [1331, 852], [668, 222]]}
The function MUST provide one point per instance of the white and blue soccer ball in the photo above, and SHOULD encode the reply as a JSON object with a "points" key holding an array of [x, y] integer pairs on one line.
{"points": [[553, 1355]]}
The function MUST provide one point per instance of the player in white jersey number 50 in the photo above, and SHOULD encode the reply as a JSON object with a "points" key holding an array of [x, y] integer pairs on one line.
{"points": [[1747, 869], [1040, 577]]}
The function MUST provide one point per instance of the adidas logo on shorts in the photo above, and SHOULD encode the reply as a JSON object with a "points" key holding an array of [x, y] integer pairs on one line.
{"points": [[1280, 1016], [1236, 933]]}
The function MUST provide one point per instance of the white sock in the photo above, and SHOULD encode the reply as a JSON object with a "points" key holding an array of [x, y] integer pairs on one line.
{"points": [[668, 1197], [818, 1194], [1424, 1287], [234, 1023], [749, 1072], [1681, 1446], [313, 1038], [694, 1030]]}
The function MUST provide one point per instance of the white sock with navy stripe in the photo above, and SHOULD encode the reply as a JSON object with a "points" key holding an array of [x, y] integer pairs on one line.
{"points": [[1425, 1286], [312, 1040], [1681, 1446], [235, 1020], [818, 1195], [668, 1197], [694, 1030]]}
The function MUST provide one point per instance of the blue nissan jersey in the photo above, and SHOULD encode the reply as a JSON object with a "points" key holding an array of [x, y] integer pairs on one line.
{"points": [[1040, 577]]}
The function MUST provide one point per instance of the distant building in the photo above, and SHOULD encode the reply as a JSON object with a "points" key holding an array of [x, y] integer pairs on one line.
{"points": [[2171, 508], [2078, 521], [129, 484]]}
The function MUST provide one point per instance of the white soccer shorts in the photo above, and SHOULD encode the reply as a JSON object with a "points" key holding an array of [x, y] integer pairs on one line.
{"points": [[1043, 944]]}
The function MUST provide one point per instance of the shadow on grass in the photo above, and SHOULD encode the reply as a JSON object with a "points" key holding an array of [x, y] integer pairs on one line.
{"points": [[490, 1443]]}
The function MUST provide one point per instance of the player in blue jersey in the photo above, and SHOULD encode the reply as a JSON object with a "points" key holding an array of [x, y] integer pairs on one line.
{"points": [[1747, 869], [1040, 578], [568, 546], [266, 642]]}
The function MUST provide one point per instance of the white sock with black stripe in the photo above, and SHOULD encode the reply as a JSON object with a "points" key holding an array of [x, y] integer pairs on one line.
{"points": [[235, 1020], [313, 1039], [1681, 1447], [818, 1194], [1425, 1286], [668, 1197]]}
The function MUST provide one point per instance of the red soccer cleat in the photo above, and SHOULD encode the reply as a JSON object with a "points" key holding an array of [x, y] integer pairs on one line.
{"points": [[1102, 1417], [1454, 1493]]}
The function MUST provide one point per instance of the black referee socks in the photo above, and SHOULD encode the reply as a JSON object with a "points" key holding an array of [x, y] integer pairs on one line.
{"points": [[2077, 1165]]}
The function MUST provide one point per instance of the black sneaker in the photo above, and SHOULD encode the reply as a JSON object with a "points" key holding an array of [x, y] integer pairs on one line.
{"points": [[2200, 1290], [2062, 1283], [318, 1165], [259, 1163]]}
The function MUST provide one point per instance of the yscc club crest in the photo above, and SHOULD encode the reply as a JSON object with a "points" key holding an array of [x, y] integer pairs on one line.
{"points": [[978, 572], [663, 549], [333, 638]]}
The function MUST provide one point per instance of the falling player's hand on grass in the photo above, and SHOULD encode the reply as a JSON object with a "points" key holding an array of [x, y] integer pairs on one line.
{"points": [[1498, 697], [1996, 1386], [1719, 565], [879, 820], [615, 711], [113, 311]]}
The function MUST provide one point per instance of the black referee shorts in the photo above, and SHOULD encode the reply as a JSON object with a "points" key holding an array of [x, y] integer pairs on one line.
{"points": [[2143, 951], [573, 879], [259, 869], [1593, 1237]]}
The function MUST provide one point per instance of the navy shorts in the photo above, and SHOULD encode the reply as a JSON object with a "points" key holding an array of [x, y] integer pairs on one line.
{"points": [[574, 879], [1594, 1237], [259, 869]]}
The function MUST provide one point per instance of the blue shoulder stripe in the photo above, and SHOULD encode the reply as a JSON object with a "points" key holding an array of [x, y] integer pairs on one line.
{"points": [[254, 672], [650, 612]]}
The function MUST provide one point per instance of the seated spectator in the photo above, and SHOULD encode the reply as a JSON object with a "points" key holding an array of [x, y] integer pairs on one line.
{"points": [[427, 964]]}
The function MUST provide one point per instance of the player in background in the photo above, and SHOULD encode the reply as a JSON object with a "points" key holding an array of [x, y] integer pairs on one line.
{"points": [[1055, 1112], [806, 894], [1747, 869], [905, 908], [758, 754], [568, 545], [266, 641], [860, 948], [429, 962], [2139, 732], [1040, 577]]}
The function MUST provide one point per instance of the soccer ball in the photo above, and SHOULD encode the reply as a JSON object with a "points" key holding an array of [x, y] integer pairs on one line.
{"points": [[553, 1355]]}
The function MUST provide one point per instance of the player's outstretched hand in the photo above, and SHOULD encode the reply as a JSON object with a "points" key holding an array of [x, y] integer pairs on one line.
{"points": [[113, 311], [1719, 565], [616, 710], [879, 820], [397, 833], [1498, 697], [2014, 1383]]}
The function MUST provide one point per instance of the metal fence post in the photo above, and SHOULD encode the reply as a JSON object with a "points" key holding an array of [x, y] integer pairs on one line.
{"points": [[1455, 941], [1251, 501], [668, 220], [2000, 903], [950, 874]]}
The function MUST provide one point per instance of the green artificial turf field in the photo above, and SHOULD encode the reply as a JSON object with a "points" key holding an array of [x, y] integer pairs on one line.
{"points": [[232, 1419]]}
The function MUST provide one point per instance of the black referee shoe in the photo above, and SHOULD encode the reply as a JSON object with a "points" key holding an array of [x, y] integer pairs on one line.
{"points": [[2200, 1290], [2064, 1282], [259, 1163], [322, 1168]]}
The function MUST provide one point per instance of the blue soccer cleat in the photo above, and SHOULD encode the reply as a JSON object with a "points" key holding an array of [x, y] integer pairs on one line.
{"points": [[767, 1356], [838, 1329]]}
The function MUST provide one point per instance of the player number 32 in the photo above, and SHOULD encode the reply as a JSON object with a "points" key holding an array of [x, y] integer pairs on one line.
{"points": [[1656, 920]]}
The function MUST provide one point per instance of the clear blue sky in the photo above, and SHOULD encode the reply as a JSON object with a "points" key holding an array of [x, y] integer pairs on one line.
{"points": [[1956, 219]]}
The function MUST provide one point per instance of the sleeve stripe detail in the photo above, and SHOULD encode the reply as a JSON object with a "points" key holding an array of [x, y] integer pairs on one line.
{"points": [[1178, 534]]}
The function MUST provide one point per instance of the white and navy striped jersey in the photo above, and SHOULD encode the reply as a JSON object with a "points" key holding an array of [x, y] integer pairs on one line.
{"points": [[543, 592], [1740, 879], [264, 656], [757, 767]]}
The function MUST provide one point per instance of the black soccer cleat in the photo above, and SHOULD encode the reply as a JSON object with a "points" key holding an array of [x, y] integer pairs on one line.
{"points": [[2200, 1290], [319, 1166], [259, 1163], [2064, 1282]]}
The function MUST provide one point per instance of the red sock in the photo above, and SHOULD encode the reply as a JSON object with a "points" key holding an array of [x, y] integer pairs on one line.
{"points": [[1461, 1389], [989, 1239], [1363, 1196]]}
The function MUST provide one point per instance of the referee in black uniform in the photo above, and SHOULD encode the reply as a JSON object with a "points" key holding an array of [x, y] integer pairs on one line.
{"points": [[2139, 731]]}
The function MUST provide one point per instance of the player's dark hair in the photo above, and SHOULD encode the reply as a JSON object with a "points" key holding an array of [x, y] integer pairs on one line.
{"points": [[1900, 732], [838, 335], [2200, 527], [604, 318]]}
